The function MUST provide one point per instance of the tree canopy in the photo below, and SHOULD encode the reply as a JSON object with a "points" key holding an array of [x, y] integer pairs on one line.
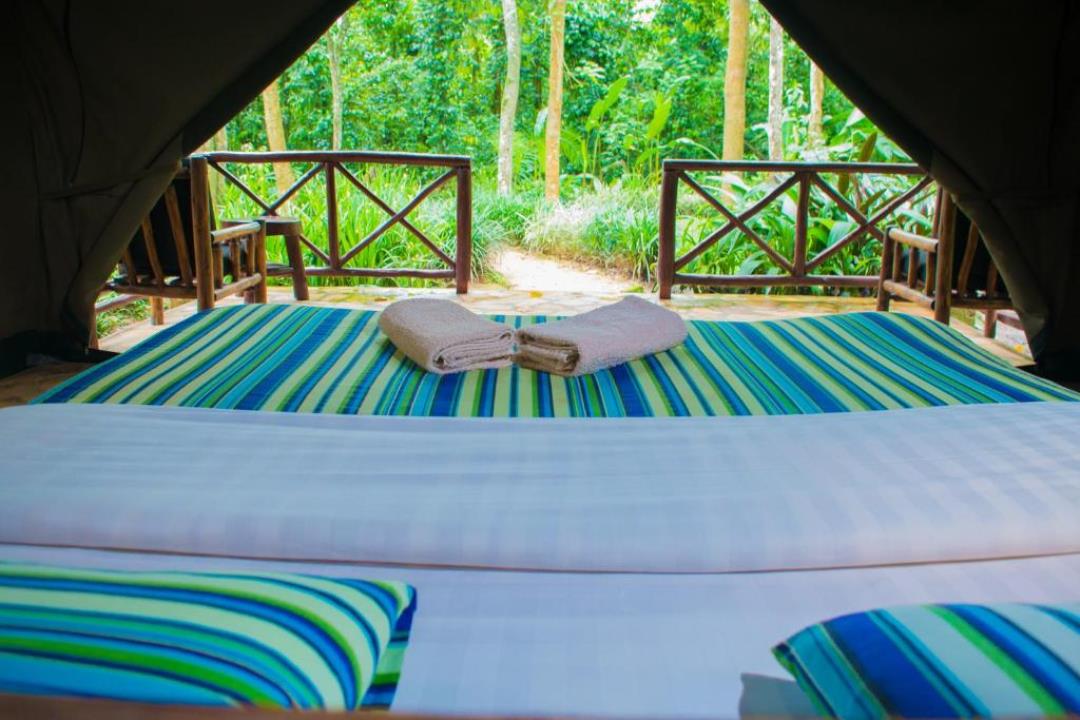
{"points": [[427, 76]]}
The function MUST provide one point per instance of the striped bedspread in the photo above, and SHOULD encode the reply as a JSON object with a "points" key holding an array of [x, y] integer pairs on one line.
{"points": [[294, 358], [276, 640]]}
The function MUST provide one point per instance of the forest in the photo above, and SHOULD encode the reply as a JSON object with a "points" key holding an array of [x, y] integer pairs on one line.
{"points": [[572, 173]]}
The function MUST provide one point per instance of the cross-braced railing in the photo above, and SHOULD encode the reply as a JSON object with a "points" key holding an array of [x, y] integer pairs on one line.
{"points": [[335, 259], [801, 269]]}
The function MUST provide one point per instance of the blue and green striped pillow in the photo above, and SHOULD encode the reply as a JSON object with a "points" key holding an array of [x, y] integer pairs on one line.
{"points": [[941, 661], [266, 639]]}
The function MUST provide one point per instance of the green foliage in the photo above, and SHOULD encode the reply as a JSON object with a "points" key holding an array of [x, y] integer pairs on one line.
{"points": [[112, 320], [644, 82]]}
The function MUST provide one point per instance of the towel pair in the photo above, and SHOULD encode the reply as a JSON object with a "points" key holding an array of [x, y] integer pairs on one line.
{"points": [[443, 337]]}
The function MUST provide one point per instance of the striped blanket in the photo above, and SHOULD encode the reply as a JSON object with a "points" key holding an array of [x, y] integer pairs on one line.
{"points": [[270, 639], [294, 358]]}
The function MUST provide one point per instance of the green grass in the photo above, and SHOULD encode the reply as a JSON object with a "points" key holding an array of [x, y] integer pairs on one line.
{"points": [[113, 320]]}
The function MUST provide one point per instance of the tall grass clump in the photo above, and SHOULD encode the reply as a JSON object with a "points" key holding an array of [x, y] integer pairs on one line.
{"points": [[615, 228]]}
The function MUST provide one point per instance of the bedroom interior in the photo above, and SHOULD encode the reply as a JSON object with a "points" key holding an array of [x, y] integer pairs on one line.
{"points": [[467, 502]]}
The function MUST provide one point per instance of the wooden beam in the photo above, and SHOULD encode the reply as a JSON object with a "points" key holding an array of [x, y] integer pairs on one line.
{"points": [[926, 244], [943, 283], [851, 281], [340, 156], [665, 263], [200, 216], [333, 239], [462, 264], [769, 166]]}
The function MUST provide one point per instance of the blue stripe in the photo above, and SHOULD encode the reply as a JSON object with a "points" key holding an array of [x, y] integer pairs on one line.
{"points": [[885, 668]]}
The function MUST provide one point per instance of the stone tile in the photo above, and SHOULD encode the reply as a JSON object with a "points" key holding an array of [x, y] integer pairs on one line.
{"points": [[22, 387]]}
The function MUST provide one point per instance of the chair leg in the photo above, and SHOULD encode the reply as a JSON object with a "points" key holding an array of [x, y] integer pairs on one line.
{"points": [[296, 262], [990, 324], [157, 311], [206, 304]]}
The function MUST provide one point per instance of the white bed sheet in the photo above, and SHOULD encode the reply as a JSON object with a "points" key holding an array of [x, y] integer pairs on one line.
{"points": [[667, 510], [626, 645], [646, 495]]}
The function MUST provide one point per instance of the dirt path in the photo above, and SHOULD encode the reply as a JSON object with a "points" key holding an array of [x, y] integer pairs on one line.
{"points": [[524, 271]]}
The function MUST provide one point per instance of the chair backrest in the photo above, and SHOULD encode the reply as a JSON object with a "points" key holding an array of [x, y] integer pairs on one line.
{"points": [[163, 246], [973, 269]]}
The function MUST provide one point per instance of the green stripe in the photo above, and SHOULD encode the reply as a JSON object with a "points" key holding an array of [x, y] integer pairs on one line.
{"points": [[1031, 687], [318, 642], [240, 357]]}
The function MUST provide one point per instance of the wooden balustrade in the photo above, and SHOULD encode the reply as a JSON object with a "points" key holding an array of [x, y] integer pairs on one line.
{"points": [[798, 270], [335, 260]]}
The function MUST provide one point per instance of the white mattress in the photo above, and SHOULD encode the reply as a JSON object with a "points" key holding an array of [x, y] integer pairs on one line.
{"points": [[650, 559], [660, 495]]}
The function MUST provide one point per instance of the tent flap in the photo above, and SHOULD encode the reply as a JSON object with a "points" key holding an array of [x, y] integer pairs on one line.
{"points": [[104, 101], [985, 94]]}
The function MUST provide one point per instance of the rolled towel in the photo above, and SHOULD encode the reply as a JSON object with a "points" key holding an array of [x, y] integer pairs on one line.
{"points": [[443, 337], [600, 338]]}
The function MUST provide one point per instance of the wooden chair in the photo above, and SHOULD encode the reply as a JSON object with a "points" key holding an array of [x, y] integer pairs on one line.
{"points": [[951, 269], [179, 252]]}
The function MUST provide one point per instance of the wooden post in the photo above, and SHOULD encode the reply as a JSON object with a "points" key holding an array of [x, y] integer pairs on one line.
{"points": [[157, 311], [296, 262], [332, 217], [259, 251], [946, 242], [665, 263], [802, 212], [888, 249], [463, 255], [200, 216]]}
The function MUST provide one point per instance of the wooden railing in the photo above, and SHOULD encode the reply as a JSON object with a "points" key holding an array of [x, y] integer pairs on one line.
{"points": [[798, 270], [335, 259]]}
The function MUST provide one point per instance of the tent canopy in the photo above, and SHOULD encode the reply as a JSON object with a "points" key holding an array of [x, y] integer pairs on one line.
{"points": [[102, 101], [104, 98], [985, 94]]}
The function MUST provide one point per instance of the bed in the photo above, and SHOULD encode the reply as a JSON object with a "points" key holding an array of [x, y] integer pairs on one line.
{"points": [[328, 360], [631, 566], [556, 561]]}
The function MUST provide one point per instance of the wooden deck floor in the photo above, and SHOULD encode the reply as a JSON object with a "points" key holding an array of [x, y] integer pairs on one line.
{"points": [[22, 387]]}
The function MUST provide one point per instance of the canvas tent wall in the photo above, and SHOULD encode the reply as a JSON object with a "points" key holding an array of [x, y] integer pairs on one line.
{"points": [[985, 94], [102, 100]]}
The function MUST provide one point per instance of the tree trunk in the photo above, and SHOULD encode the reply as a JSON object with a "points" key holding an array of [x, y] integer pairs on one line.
{"points": [[776, 91], [275, 136], [555, 98], [334, 39], [735, 79], [508, 109], [220, 142], [815, 130]]}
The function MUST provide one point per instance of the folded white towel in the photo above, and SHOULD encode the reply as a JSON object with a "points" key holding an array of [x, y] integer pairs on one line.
{"points": [[443, 337], [599, 338]]}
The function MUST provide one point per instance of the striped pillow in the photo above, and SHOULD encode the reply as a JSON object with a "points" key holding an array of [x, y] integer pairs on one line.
{"points": [[266, 639], [941, 661]]}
